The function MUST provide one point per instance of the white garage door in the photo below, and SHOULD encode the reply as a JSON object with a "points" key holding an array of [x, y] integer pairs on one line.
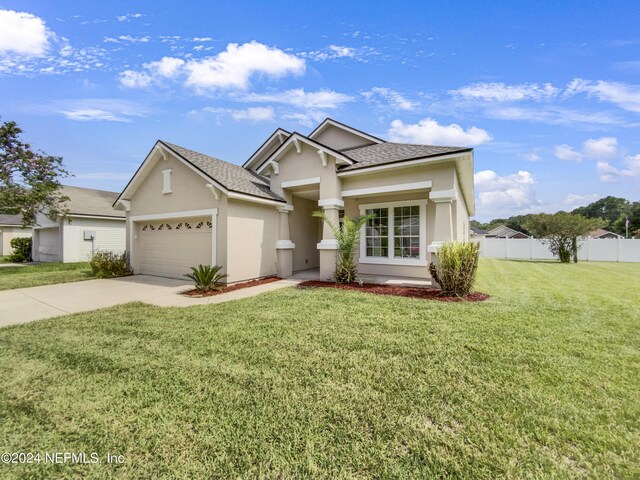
{"points": [[169, 248]]}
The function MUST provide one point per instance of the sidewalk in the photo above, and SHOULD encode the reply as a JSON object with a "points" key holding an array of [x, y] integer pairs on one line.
{"points": [[24, 305]]}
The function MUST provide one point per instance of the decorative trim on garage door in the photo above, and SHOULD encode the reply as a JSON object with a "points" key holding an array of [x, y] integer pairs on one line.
{"points": [[179, 219]]}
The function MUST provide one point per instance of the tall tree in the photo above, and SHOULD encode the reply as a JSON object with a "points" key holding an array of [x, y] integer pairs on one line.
{"points": [[29, 179], [561, 231], [610, 209]]}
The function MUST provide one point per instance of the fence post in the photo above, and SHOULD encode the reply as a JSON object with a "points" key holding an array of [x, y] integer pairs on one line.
{"points": [[506, 247], [618, 249], [530, 248]]}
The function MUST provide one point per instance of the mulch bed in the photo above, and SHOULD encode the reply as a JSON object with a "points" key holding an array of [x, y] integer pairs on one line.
{"points": [[411, 292], [230, 288]]}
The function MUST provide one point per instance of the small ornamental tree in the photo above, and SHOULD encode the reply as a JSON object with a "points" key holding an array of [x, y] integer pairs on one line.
{"points": [[347, 236], [29, 179], [561, 231]]}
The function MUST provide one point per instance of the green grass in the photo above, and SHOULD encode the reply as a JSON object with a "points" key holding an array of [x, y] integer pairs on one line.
{"points": [[43, 274], [4, 258], [541, 381]]}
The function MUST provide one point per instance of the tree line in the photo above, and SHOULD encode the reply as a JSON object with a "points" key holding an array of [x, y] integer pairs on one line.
{"points": [[612, 211]]}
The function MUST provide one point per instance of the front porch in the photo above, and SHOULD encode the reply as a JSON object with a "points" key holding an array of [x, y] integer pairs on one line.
{"points": [[396, 281]]}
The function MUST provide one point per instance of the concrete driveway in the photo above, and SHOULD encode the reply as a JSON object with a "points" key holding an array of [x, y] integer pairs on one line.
{"points": [[24, 305]]}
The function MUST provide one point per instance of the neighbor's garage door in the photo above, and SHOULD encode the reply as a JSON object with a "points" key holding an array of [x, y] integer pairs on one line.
{"points": [[169, 248]]}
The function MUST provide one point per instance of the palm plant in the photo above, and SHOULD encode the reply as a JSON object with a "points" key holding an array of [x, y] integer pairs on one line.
{"points": [[347, 235], [207, 277]]}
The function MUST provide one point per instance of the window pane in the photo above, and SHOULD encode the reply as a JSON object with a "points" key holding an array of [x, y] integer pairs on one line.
{"points": [[406, 243], [376, 233]]}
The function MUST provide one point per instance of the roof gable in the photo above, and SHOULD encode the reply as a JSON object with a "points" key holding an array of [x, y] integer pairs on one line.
{"points": [[277, 138], [294, 139], [343, 136], [224, 175]]}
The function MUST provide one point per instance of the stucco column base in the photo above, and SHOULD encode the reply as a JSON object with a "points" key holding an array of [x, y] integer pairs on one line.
{"points": [[284, 263], [328, 264]]}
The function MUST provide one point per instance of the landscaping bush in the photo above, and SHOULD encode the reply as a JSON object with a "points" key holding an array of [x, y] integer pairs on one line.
{"points": [[21, 249], [456, 266], [207, 277], [347, 235], [110, 264]]}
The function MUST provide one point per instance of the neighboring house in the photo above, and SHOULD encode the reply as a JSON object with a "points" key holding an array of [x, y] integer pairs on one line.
{"points": [[185, 208], [505, 232], [10, 228], [477, 233], [91, 225], [601, 233]]}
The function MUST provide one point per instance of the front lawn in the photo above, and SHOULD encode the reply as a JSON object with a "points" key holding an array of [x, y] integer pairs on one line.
{"points": [[43, 274], [540, 381]]}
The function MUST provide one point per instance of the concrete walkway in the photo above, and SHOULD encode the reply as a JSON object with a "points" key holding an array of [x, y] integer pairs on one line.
{"points": [[24, 305]]}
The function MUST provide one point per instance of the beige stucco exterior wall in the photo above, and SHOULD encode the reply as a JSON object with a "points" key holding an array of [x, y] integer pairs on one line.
{"points": [[253, 233], [303, 165], [338, 138], [306, 233], [9, 233], [188, 192], [441, 176]]}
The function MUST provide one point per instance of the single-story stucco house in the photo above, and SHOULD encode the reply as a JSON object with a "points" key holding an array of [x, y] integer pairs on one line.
{"points": [[11, 227], [91, 225], [185, 208]]}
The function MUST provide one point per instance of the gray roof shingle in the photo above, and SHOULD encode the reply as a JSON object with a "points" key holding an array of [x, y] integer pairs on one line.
{"points": [[87, 201], [389, 152], [11, 220], [232, 177]]}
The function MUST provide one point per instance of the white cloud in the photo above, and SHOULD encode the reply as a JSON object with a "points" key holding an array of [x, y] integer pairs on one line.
{"points": [[429, 131], [127, 39], [235, 66], [601, 149], [567, 153], [332, 52], [94, 109], [532, 156], [604, 148], [390, 98], [609, 173], [307, 119], [167, 67], [574, 200], [554, 115], [131, 79], [299, 98], [624, 95], [505, 195], [254, 114], [501, 92], [93, 114], [23, 34], [128, 16]]}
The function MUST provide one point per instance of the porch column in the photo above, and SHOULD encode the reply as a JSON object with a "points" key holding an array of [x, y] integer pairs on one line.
{"points": [[443, 224], [328, 246], [284, 246]]}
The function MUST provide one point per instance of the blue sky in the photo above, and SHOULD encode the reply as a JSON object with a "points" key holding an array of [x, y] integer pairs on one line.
{"points": [[548, 93]]}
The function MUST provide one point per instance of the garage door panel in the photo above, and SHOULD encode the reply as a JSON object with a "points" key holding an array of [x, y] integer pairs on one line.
{"points": [[170, 248]]}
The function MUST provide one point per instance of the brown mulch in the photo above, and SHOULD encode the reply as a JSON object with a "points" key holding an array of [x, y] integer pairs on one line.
{"points": [[411, 292], [230, 288]]}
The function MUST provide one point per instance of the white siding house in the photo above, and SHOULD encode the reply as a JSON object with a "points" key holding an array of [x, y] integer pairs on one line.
{"points": [[91, 225]]}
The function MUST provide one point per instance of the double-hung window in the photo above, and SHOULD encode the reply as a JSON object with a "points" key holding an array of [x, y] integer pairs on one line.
{"points": [[396, 234]]}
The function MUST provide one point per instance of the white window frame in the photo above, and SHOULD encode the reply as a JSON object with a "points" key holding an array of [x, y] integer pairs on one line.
{"points": [[390, 259], [166, 181]]}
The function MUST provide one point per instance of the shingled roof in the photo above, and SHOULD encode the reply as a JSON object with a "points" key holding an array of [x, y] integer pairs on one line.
{"points": [[389, 152], [232, 177], [90, 202], [11, 220]]}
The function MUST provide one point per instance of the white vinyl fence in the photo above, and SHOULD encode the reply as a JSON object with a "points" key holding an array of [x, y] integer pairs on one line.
{"points": [[591, 249]]}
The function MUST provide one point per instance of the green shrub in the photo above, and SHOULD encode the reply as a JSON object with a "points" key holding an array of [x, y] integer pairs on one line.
{"points": [[110, 264], [21, 249], [207, 277], [347, 235], [456, 266]]}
